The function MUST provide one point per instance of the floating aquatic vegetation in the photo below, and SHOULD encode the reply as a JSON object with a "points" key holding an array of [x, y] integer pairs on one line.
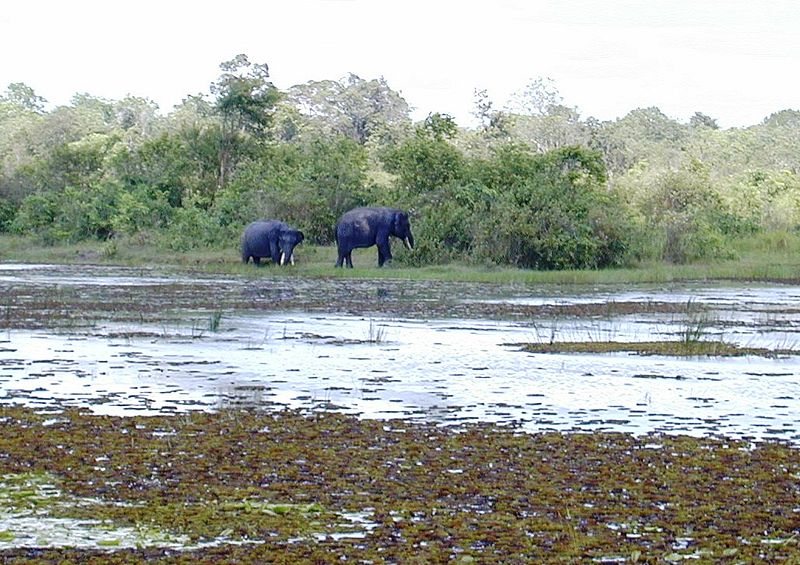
{"points": [[682, 348], [250, 486]]}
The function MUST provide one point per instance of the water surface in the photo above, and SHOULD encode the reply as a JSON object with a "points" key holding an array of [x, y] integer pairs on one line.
{"points": [[132, 341]]}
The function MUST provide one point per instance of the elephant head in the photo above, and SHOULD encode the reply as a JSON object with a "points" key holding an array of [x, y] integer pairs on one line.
{"points": [[287, 241], [401, 228]]}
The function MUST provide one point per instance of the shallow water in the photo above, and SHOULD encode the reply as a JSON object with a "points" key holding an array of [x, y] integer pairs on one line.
{"points": [[125, 341]]}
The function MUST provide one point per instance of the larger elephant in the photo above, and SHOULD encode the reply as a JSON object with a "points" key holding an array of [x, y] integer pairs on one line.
{"points": [[271, 239], [365, 227]]}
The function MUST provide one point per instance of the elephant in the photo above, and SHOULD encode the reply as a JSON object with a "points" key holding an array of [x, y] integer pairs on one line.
{"points": [[270, 238], [365, 227]]}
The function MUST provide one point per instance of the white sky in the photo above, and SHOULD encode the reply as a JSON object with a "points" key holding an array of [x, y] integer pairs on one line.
{"points": [[735, 60]]}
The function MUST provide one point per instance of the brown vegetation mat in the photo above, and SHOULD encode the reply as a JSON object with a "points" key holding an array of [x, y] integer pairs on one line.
{"points": [[689, 348], [478, 494], [74, 308]]}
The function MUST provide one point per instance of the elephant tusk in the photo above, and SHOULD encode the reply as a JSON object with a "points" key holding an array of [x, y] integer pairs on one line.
{"points": [[283, 258], [291, 259], [408, 243]]}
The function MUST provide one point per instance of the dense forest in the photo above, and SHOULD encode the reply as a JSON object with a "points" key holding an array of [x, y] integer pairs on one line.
{"points": [[534, 185]]}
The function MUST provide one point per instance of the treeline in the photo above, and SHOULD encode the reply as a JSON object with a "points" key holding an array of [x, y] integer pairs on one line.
{"points": [[534, 185]]}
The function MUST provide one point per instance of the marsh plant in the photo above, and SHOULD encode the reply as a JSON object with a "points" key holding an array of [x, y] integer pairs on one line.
{"points": [[198, 331], [214, 320], [696, 324], [7, 318], [252, 345], [376, 333], [546, 332]]}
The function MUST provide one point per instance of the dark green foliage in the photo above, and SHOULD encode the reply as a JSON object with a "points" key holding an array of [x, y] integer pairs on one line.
{"points": [[425, 162], [305, 186], [542, 211], [163, 164], [553, 211], [7, 212], [445, 222], [333, 179], [36, 215], [527, 192], [78, 164], [71, 214]]}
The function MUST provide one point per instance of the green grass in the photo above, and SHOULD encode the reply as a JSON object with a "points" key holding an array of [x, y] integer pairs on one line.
{"points": [[768, 257]]}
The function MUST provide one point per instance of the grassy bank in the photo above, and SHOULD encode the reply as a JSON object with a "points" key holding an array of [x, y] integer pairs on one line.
{"points": [[768, 257]]}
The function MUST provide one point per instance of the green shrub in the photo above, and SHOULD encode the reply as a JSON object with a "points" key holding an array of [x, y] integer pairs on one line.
{"points": [[36, 216], [7, 213], [141, 209], [687, 217], [192, 227], [553, 212]]}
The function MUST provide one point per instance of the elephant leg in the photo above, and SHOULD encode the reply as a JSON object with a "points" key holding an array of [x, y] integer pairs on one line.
{"points": [[384, 253], [275, 252], [345, 256], [256, 261]]}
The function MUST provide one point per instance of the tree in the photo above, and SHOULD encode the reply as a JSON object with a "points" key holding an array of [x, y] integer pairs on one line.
{"points": [[495, 124], [643, 134], [23, 95], [542, 120], [244, 101], [789, 118], [137, 118], [483, 107], [18, 146], [352, 106], [438, 126], [702, 120], [426, 161], [560, 126], [535, 98]]}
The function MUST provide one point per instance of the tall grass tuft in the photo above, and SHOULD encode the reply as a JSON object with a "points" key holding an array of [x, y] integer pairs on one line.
{"points": [[696, 324], [214, 321], [377, 334]]}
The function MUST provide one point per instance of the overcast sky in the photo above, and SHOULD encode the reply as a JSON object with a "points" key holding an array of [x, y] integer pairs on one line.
{"points": [[735, 60]]}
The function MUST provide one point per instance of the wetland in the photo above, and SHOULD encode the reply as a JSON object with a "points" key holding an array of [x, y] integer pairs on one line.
{"points": [[154, 414]]}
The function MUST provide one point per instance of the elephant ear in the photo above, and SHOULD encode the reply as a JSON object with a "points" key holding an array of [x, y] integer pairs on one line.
{"points": [[397, 221]]}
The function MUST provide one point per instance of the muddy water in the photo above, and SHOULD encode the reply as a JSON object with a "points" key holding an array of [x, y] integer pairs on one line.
{"points": [[125, 341]]}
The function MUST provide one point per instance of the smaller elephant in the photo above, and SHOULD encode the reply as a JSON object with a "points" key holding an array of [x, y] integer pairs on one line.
{"points": [[270, 239], [365, 227]]}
